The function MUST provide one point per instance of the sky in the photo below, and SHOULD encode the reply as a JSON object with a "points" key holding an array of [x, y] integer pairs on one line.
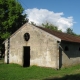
{"points": [[62, 13]]}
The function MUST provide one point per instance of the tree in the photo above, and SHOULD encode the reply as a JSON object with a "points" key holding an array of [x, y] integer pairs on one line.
{"points": [[70, 31], [32, 23], [51, 26], [11, 18]]}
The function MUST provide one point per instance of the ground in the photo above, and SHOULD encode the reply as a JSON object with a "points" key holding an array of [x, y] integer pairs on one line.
{"points": [[17, 72]]}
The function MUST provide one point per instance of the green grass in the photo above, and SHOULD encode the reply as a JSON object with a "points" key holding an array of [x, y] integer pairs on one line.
{"points": [[16, 72]]}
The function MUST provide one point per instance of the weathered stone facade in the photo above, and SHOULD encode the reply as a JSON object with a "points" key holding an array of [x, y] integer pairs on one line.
{"points": [[71, 55], [44, 49]]}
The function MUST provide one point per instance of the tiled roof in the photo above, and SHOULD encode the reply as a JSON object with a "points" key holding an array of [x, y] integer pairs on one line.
{"points": [[63, 36]]}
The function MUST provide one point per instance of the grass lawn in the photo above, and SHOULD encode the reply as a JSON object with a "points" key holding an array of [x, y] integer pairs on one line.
{"points": [[16, 72]]}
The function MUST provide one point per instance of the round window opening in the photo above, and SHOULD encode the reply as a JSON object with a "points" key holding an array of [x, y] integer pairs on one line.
{"points": [[26, 36]]}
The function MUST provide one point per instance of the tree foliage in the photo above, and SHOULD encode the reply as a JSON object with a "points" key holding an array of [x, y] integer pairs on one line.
{"points": [[11, 17], [32, 23], [70, 31], [51, 26]]}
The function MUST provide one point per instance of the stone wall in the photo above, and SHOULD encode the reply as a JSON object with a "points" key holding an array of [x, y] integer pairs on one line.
{"points": [[43, 47], [71, 54]]}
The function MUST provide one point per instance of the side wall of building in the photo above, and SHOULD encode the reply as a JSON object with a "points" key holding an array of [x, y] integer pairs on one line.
{"points": [[43, 47], [70, 53]]}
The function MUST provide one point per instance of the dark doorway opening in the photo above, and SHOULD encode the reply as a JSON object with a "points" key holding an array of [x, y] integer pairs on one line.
{"points": [[26, 56]]}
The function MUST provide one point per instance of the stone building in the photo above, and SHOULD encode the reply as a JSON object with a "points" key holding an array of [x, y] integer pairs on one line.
{"points": [[33, 45]]}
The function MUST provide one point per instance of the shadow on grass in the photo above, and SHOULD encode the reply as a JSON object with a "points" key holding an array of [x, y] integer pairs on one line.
{"points": [[1, 60], [67, 77]]}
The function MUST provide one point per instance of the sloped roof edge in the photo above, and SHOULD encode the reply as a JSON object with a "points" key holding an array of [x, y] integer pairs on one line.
{"points": [[60, 35], [32, 25], [63, 36]]}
